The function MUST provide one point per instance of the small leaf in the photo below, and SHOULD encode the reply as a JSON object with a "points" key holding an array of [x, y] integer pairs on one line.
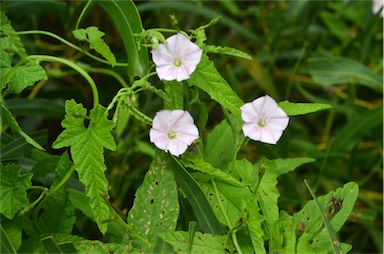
{"points": [[86, 145], [294, 109], [227, 51], [156, 206], [58, 215], [7, 29], [341, 70], [94, 37], [13, 189], [127, 20], [175, 93], [207, 78]]}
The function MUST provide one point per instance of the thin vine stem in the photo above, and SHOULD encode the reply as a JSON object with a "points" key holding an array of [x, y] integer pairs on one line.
{"points": [[109, 72], [82, 14], [75, 67], [214, 185], [70, 44]]}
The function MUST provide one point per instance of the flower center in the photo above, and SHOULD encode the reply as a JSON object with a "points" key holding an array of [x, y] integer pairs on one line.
{"points": [[172, 134], [178, 62], [262, 123]]}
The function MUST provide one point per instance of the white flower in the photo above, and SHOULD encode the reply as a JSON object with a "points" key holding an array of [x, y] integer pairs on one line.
{"points": [[264, 120], [377, 6], [177, 59], [173, 131]]}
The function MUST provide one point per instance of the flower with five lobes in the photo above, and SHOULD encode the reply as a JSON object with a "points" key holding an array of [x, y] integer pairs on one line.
{"points": [[177, 59], [173, 131], [264, 120]]}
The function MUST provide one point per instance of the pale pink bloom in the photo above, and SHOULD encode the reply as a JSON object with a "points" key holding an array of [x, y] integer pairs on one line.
{"points": [[177, 59], [377, 6], [264, 120], [173, 131]]}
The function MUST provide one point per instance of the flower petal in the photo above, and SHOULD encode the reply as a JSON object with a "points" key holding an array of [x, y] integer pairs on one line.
{"points": [[182, 74], [159, 138], [162, 121], [248, 113], [162, 56], [167, 72], [176, 147]]}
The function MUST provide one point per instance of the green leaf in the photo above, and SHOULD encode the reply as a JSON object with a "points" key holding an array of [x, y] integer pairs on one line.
{"points": [[45, 166], [175, 93], [51, 245], [336, 206], [202, 243], [156, 205], [128, 22], [19, 147], [81, 201], [86, 146], [354, 130], [196, 162], [227, 51], [7, 29], [295, 109], [254, 219], [58, 215], [94, 37], [13, 189], [207, 78], [204, 214], [341, 70], [10, 234]]}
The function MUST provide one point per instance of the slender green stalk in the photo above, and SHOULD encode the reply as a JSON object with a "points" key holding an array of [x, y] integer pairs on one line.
{"points": [[221, 204], [75, 67], [109, 72], [33, 204], [234, 133], [234, 238], [82, 13], [70, 44], [117, 218]]}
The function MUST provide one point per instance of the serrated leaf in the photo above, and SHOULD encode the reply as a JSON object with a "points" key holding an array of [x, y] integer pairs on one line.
{"points": [[94, 36], [254, 219], [341, 70], [58, 215], [295, 109], [202, 243], [196, 162], [7, 29], [156, 206], [128, 22], [87, 147], [207, 78], [13, 187], [227, 51]]}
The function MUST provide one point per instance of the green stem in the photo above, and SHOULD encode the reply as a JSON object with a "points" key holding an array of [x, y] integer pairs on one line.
{"points": [[70, 45], [50, 193], [234, 133], [75, 67], [220, 204], [25, 210], [82, 14], [109, 72], [120, 220], [234, 238]]}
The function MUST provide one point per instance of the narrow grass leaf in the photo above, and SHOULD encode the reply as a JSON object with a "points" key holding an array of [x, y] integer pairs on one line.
{"points": [[11, 234], [128, 22], [227, 51], [204, 214]]}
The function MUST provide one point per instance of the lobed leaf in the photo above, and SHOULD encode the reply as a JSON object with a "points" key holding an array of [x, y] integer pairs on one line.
{"points": [[7, 29], [156, 206], [207, 78], [86, 146], [13, 190], [94, 36], [294, 109]]}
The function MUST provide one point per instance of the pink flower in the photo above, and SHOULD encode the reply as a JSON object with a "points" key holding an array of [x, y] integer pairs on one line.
{"points": [[264, 120], [173, 131], [377, 6], [177, 59]]}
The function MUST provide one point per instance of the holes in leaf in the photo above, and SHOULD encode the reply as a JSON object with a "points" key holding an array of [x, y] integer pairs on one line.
{"points": [[152, 201], [155, 181]]}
